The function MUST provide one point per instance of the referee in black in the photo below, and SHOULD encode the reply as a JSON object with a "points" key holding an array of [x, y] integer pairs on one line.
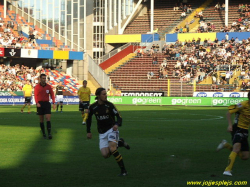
{"points": [[105, 113], [43, 92]]}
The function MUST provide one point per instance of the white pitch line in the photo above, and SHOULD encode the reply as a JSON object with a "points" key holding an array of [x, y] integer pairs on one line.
{"points": [[166, 119]]}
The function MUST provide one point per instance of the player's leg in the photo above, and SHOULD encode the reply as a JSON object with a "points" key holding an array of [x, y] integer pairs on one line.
{"points": [[244, 153], [29, 108], [224, 143], [25, 103], [41, 118], [86, 115], [231, 159], [104, 145], [57, 105], [48, 116], [122, 143], [81, 108], [113, 137], [61, 103]]}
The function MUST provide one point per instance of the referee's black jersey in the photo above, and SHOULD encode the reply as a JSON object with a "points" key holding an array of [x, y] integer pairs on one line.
{"points": [[59, 90], [105, 115]]}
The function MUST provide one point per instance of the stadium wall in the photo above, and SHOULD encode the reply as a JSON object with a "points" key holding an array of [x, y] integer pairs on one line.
{"points": [[174, 101]]}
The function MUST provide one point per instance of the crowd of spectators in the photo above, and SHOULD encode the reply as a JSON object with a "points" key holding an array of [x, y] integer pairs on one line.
{"points": [[241, 24], [195, 60], [13, 78]]}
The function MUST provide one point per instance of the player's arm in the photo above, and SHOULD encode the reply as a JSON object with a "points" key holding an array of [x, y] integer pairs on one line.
{"points": [[56, 90], [52, 97], [88, 126], [232, 109], [36, 91], [229, 120], [23, 90], [116, 113], [79, 95]]}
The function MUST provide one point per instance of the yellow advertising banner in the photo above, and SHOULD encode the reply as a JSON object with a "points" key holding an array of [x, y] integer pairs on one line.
{"points": [[123, 38], [61, 54]]}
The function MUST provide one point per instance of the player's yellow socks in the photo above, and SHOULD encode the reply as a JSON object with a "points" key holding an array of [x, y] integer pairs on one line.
{"points": [[85, 117], [28, 108], [231, 160], [119, 159], [23, 107], [228, 146]]}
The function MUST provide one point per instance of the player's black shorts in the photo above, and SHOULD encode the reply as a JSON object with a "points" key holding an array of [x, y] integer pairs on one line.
{"points": [[240, 135], [44, 109], [83, 105], [27, 100]]}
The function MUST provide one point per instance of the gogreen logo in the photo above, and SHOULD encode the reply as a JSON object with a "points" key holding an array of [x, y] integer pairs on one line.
{"points": [[115, 100], [225, 102], [185, 101], [146, 101]]}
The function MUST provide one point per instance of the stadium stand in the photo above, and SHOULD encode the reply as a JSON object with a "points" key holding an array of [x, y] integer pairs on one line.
{"points": [[12, 78], [19, 27], [216, 16], [165, 17]]}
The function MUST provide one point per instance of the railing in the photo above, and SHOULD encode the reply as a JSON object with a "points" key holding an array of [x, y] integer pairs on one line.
{"points": [[51, 30], [112, 53], [97, 72]]}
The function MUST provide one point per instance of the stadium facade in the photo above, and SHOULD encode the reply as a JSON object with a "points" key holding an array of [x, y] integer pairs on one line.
{"points": [[79, 24]]}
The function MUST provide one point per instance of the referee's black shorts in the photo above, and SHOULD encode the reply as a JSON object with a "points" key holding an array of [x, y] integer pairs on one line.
{"points": [[44, 109]]}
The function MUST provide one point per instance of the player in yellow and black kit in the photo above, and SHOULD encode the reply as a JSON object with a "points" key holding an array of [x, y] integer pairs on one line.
{"points": [[239, 132], [27, 92], [105, 113], [84, 99], [59, 96]]}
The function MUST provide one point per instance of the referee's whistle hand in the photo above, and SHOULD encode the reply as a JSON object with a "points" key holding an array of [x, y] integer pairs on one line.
{"points": [[38, 105]]}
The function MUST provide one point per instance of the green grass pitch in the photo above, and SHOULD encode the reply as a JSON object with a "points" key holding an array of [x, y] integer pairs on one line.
{"points": [[155, 134]]}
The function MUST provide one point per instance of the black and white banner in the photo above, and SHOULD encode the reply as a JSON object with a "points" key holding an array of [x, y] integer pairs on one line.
{"points": [[11, 52], [142, 94]]}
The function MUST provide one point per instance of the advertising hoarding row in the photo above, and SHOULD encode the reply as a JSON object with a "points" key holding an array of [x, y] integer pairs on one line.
{"points": [[174, 101]]}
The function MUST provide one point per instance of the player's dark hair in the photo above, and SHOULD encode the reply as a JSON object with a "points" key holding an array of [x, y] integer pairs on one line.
{"points": [[42, 75], [98, 92], [84, 81]]}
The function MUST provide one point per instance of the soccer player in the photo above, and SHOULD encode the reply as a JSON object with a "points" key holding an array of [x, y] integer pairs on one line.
{"points": [[43, 92], [105, 113], [59, 96], [240, 133], [84, 97], [27, 92]]}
